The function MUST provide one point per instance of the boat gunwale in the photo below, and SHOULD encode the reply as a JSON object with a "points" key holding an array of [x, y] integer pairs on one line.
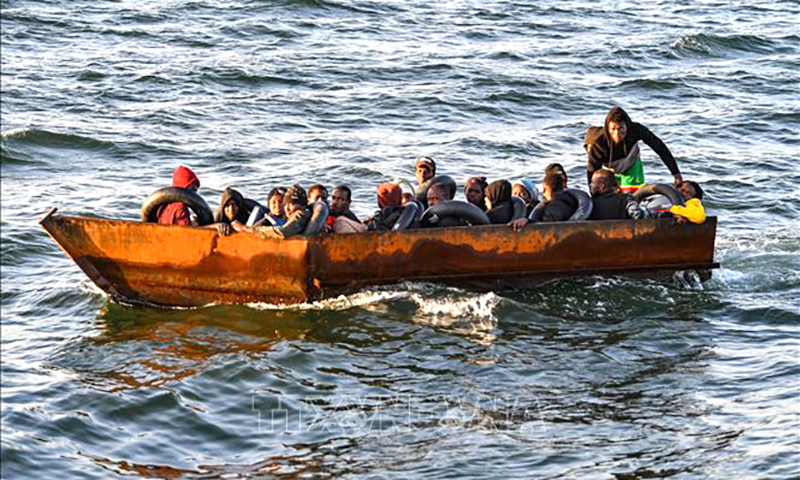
{"points": [[312, 264]]}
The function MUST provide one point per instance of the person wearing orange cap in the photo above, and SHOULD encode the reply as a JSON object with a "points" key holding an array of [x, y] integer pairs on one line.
{"points": [[389, 197], [177, 213]]}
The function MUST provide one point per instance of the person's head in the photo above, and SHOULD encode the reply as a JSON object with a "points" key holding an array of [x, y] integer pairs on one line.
{"points": [[340, 199], [389, 195], [552, 184], [275, 200], [425, 169], [559, 169], [231, 210], [519, 190], [691, 190], [232, 205], [475, 189], [617, 124], [317, 192], [603, 182], [182, 177], [294, 199], [497, 193], [436, 194]]}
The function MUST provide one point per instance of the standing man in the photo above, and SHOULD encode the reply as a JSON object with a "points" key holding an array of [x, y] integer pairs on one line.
{"points": [[615, 147]]}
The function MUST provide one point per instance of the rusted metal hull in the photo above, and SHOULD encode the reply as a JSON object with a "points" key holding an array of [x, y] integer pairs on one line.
{"points": [[187, 266]]}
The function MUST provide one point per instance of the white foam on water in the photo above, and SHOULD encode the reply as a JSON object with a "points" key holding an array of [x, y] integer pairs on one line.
{"points": [[454, 309], [342, 302], [466, 314], [16, 132]]}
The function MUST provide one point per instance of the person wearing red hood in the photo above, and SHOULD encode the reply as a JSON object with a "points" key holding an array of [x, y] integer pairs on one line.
{"points": [[178, 213], [614, 146]]}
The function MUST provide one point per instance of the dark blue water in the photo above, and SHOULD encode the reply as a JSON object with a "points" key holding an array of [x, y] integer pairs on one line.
{"points": [[581, 378]]}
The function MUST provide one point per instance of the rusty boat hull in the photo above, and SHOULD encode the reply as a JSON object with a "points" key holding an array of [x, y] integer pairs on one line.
{"points": [[188, 266]]}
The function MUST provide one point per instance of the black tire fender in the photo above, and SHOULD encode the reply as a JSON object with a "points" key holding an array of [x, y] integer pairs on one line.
{"points": [[538, 212], [167, 195], [411, 212], [585, 204], [675, 197], [445, 180], [319, 215], [455, 208], [519, 208]]}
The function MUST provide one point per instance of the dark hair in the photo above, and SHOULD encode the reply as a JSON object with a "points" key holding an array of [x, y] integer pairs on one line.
{"points": [[479, 180], [295, 195], [276, 191], [698, 192], [610, 176], [345, 189], [555, 181], [555, 168], [438, 187], [618, 117], [317, 188]]}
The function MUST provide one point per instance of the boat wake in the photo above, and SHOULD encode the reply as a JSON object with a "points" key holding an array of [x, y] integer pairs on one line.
{"points": [[454, 309]]}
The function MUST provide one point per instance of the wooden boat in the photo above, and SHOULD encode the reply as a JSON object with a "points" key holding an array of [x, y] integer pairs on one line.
{"points": [[188, 266]]}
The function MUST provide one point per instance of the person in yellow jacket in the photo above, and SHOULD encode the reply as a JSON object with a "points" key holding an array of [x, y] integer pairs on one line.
{"points": [[693, 211]]}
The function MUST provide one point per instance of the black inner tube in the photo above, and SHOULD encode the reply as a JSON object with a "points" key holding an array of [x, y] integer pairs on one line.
{"points": [[673, 194], [454, 208], [585, 204], [167, 195], [538, 212], [519, 208], [445, 180], [411, 213], [319, 214]]}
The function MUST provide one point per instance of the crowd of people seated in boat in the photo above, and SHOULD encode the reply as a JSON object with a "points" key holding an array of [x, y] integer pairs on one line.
{"points": [[614, 172]]}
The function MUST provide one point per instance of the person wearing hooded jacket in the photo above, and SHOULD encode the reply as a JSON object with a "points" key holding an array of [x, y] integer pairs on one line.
{"points": [[231, 207], [499, 208], [177, 213], [614, 146], [475, 191], [527, 191]]}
